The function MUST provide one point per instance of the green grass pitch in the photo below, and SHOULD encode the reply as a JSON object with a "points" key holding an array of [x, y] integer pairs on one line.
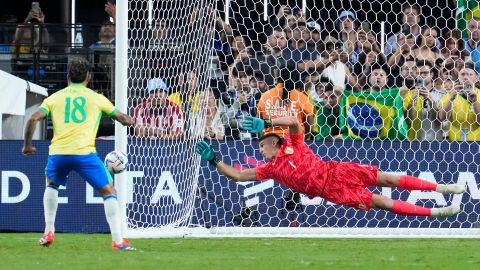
{"points": [[92, 251]]}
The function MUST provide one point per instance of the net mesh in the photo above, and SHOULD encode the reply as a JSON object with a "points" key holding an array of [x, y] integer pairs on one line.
{"points": [[374, 83]]}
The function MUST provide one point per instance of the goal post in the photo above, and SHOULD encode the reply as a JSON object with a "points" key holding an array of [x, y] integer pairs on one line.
{"points": [[169, 192]]}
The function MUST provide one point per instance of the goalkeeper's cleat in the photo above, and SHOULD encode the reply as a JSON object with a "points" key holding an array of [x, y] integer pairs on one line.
{"points": [[125, 245], [46, 240], [450, 189], [445, 211]]}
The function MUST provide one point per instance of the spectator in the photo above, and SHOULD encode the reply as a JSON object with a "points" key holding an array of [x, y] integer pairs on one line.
{"points": [[365, 43], [286, 100], [377, 81], [239, 101], [346, 25], [336, 69], [410, 25], [286, 18], [453, 46], [214, 128], [32, 36], [362, 69], [427, 49], [258, 84], [297, 50], [327, 117], [472, 40], [270, 58], [407, 75], [238, 47], [106, 36], [188, 98], [320, 89], [461, 107], [160, 31], [375, 113], [421, 105], [450, 68], [315, 31], [404, 51], [157, 117]]}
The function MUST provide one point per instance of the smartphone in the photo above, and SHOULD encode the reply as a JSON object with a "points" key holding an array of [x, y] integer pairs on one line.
{"points": [[35, 6], [420, 83], [366, 27], [113, 2]]}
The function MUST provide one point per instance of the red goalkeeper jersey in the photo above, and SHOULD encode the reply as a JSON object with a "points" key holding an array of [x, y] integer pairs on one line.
{"points": [[297, 167]]}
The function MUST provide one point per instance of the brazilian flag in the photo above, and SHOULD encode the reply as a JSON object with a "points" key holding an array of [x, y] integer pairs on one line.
{"points": [[466, 9], [377, 115]]}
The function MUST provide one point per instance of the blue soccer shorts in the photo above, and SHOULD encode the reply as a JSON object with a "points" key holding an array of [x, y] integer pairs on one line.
{"points": [[89, 167]]}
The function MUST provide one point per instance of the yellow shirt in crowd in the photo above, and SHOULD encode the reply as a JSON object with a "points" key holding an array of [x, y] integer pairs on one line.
{"points": [[463, 120]]}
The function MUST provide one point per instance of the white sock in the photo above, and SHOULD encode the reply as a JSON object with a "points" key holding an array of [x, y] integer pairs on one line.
{"points": [[112, 212], [50, 205]]}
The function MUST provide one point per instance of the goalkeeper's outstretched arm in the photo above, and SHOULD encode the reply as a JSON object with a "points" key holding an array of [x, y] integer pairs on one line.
{"points": [[205, 150]]}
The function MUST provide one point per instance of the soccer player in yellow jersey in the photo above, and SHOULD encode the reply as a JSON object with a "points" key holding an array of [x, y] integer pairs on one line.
{"points": [[75, 112]]}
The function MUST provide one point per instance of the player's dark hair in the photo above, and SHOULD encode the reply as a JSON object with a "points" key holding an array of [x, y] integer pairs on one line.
{"points": [[268, 135], [78, 69]]}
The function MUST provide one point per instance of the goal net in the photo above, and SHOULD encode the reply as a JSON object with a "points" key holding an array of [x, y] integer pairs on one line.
{"points": [[371, 79]]}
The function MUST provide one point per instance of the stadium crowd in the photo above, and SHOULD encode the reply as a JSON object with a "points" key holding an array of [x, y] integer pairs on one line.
{"points": [[424, 85]]}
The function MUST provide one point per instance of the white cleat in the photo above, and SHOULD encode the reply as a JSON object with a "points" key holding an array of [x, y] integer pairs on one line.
{"points": [[450, 189], [445, 211]]}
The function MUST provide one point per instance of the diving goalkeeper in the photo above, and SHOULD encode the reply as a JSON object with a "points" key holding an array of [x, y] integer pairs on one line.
{"points": [[293, 164]]}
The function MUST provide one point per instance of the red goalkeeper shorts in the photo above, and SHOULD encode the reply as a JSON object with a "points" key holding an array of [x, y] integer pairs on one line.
{"points": [[348, 182]]}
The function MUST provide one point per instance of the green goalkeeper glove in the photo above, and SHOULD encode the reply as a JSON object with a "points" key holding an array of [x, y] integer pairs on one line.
{"points": [[205, 150], [255, 125]]}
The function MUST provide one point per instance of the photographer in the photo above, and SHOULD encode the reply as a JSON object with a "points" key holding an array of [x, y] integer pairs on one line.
{"points": [[462, 107]]}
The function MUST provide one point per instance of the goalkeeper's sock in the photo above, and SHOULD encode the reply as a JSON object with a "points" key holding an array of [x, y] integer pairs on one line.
{"points": [[407, 209], [50, 206], [112, 212], [413, 183]]}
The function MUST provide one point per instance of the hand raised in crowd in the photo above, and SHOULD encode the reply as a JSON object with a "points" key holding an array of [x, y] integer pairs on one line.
{"points": [[283, 11], [455, 90], [35, 14], [111, 10], [472, 95]]}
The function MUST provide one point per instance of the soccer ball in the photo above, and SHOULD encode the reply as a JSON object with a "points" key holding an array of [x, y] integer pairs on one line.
{"points": [[116, 162]]}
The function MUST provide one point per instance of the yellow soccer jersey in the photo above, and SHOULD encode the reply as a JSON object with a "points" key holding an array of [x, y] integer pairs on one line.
{"points": [[463, 120], [75, 112], [416, 124]]}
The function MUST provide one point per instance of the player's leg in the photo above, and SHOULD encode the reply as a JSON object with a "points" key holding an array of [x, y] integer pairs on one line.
{"points": [[413, 183], [408, 209], [56, 171], [101, 180]]}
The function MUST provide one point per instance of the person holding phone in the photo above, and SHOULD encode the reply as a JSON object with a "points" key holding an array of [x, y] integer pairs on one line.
{"points": [[461, 106], [26, 35], [421, 105]]}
